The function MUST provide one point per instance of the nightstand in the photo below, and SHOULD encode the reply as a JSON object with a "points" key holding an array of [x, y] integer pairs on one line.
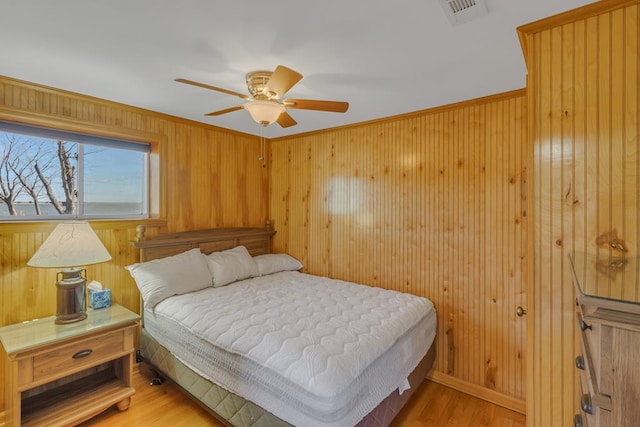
{"points": [[65, 374], [608, 298]]}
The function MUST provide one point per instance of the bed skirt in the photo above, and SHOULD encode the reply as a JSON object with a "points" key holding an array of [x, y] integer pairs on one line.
{"points": [[234, 410]]}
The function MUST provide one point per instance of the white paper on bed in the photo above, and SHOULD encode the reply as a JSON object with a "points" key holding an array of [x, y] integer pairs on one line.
{"points": [[311, 350]]}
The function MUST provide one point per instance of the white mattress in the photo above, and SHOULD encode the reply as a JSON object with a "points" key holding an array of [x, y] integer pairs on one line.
{"points": [[311, 350]]}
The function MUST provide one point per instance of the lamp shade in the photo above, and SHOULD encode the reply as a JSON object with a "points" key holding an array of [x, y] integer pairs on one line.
{"points": [[70, 244], [264, 112]]}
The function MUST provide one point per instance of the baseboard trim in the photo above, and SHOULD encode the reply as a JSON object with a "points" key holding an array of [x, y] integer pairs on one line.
{"points": [[483, 393]]}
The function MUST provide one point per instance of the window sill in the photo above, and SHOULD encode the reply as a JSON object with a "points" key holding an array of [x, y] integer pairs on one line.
{"points": [[97, 224]]}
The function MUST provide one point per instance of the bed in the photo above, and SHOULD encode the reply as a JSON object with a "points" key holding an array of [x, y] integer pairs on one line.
{"points": [[268, 345]]}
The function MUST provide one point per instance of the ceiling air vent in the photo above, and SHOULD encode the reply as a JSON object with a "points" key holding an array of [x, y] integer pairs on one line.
{"points": [[459, 11]]}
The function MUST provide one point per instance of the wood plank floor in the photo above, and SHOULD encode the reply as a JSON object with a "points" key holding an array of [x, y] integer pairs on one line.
{"points": [[433, 405]]}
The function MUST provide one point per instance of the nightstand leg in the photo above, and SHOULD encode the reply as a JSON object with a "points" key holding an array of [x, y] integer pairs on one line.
{"points": [[12, 395], [123, 405]]}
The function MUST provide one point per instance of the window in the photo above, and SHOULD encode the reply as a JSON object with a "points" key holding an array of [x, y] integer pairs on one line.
{"points": [[52, 174]]}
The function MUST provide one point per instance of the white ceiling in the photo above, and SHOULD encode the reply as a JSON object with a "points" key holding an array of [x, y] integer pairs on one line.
{"points": [[383, 57]]}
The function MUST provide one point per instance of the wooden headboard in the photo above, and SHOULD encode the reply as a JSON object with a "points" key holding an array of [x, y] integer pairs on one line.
{"points": [[256, 240]]}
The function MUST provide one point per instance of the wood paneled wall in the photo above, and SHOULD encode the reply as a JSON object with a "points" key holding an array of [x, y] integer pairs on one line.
{"points": [[431, 203], [584, 73], [208, 177]]}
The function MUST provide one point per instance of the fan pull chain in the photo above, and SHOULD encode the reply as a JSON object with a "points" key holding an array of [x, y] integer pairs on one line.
{"points": [[262, 144]]}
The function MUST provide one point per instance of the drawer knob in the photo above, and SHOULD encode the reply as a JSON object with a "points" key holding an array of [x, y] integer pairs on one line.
{"points": [[577, 420], [584, 326], [82, 353], [580, 362], [585, 404], [520, 311]]}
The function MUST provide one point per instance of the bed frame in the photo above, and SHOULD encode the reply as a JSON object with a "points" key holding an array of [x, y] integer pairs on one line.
{"points": [[228, 407], [256, 240]]}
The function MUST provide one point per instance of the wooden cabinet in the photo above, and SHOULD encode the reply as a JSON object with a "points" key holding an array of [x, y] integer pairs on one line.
{"points": [[608, 319], [65, 374]]}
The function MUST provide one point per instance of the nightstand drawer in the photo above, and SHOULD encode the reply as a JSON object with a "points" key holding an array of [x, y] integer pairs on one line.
{"points": [[590, 337], [77, 355], [587, 417], [587, 367]]}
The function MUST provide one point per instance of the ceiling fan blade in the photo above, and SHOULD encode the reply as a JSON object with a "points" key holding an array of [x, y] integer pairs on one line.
{"points": [[218, 89], [280, 82], [225, 111], [285, 120], [310, 104]]}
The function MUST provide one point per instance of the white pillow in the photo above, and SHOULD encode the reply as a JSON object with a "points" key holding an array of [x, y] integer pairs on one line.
{"points": [[273, 263], [231, 265], [162, 278]]}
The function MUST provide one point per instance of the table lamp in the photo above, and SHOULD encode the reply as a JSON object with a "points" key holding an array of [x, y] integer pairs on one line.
{"points": [[71, 244]]}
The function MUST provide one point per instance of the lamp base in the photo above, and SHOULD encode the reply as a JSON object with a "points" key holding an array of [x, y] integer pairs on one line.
{"points": [[71, 296]]}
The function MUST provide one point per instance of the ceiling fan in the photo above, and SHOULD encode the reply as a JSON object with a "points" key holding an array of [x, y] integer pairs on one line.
{"points": [[266, 88]]}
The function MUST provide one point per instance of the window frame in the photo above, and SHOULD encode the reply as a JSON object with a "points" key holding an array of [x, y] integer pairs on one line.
{"points": [[81, 190], [154, 180]]}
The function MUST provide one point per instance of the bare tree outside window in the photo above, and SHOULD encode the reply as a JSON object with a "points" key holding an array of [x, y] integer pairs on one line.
{"points": [[36, 171], [48, 173]]}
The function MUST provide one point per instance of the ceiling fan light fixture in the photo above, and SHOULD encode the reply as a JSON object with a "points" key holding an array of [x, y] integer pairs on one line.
{"points": [[264, 112], [266, 89]]}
